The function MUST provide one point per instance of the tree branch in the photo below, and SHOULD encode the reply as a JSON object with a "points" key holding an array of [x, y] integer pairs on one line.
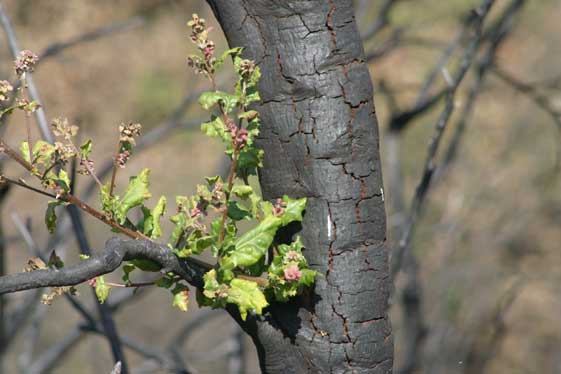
{"points": [[116, 251]]}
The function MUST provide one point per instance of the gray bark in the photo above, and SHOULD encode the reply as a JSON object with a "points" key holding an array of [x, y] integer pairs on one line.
{"points": [[320, 138]]}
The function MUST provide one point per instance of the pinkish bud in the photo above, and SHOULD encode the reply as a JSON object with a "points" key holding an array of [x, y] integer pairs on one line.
{"points": [[292, 273], [25, 62], [195, 212], [122, 158]]}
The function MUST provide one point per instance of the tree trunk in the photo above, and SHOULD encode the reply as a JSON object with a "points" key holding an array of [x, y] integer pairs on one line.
{"points": [[320, 138]]}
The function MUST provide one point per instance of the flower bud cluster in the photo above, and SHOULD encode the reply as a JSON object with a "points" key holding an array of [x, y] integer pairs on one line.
{"points": [[199, 36], [122, 158], [25, 62], [62, 128], [292, 273], [239, 135], [5, 87], [247, 67], [128, 132]]}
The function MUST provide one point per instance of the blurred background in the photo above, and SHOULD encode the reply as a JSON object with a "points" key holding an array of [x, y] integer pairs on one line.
{"points": [[478, 289]]}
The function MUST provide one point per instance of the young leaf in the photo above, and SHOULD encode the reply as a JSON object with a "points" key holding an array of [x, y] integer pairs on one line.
{"points": [[101, 289], [135, 194], [242, 191], [62, 180], [85, 150], [180, 297], [127, 270], [43, 151], [230, 52], [180, 221], [237, 212], [50, 216], [293, 210], [55, 261], [152, 225], [253, 245], [24, 149], [247, 296], [211, 98], [109, 203], [215, 128]]}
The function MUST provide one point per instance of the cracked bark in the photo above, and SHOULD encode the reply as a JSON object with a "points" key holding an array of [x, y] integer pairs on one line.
{"points": [[320, 139]]}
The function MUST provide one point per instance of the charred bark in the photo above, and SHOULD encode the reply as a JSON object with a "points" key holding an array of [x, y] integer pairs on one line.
{"points": [[321, 141]]}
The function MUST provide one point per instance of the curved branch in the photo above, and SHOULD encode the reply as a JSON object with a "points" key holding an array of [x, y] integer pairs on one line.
{"points": [[116, 251]]}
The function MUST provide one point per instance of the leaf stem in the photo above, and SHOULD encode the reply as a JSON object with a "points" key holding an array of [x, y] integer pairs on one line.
{"points": [[130, 285], [230, 183], [114, 172], [27, 115], [86, 164]]}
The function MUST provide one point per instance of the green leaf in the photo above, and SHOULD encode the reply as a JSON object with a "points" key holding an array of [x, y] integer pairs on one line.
{"points": [[165, 282], [211, 98], [62, 180], [109, 203], [250, 247], [230, 52], [157, 213], [55, 261], [24, 149], [146, 265], [180, 221], [308, 277], [101, 289], [127, 270], [247, 296], [135, 194], [50, 216], [214, 294], [249, 160], [237, 212], [293, 210], [215, 129], [197, 242], [213, 180], [43, 151], [242, 191], [86, 149], [180, 297]]}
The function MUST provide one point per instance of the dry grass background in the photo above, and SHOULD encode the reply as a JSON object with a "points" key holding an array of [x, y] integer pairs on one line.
{"points": [[494, 222]]}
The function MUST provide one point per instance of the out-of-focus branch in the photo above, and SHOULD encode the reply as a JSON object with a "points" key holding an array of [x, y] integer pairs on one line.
{"points": [[90, 36], [496, 36], [33, 93], [381, 21], [531, 91], [414, 328], [4, 190], [420, 193]]}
